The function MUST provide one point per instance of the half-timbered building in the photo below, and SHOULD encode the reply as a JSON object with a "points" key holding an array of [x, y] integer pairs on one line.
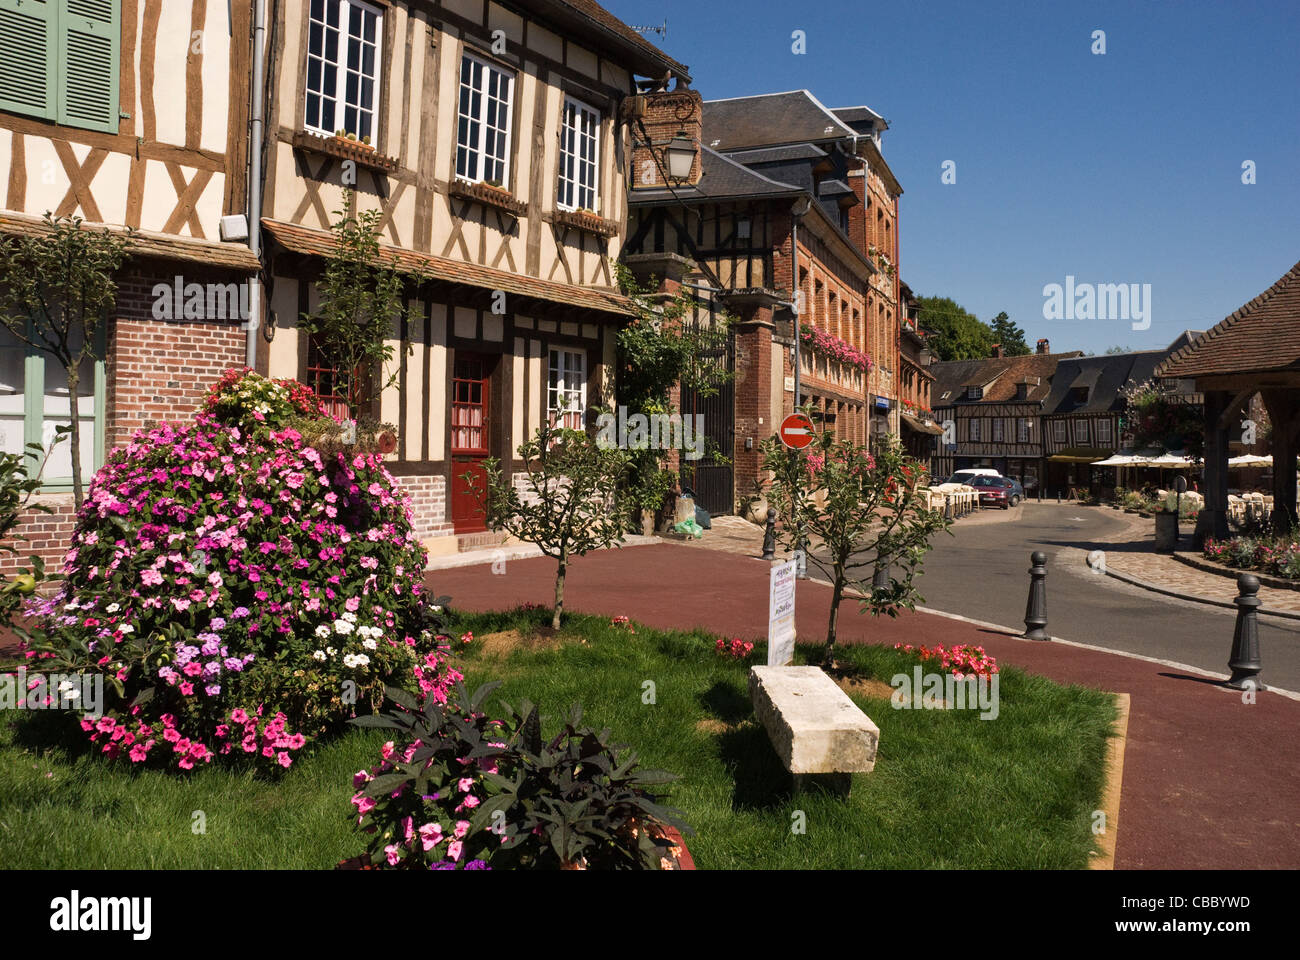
{"points": [[125, 113], [990, 411], [771, 221]]}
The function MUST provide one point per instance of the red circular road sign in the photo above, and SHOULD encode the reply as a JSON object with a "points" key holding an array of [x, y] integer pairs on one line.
{"points": [[796, 431]]}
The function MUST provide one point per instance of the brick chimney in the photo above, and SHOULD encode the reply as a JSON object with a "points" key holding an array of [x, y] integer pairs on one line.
{"points": [[662, 115], [996, 350], [1044, 346]]}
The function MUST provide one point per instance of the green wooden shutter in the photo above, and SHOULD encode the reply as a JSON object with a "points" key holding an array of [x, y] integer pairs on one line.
{"points": [[90, 36], [28, 57]]}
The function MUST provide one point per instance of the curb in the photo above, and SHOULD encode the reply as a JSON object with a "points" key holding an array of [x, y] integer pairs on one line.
{"points": [[1110, 791], [1228, 573], [1225, 604], [519, 551], [1159, 661]]}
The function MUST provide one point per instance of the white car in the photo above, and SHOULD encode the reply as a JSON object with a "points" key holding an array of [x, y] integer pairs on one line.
{"points": [[966, 476]]}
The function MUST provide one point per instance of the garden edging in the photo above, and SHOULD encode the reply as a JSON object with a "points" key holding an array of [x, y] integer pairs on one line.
{"points": [[1233, 573]]}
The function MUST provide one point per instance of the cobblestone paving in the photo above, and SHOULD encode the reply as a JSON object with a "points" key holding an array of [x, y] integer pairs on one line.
{"points": [[1132, 553]]}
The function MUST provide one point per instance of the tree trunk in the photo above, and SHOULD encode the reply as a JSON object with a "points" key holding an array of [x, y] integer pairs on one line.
{"points": [[74, 378], [836, 595], [559, 593]]}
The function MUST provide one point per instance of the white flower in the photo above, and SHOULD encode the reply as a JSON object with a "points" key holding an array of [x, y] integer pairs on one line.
{"points": [[318, 655], [113, 607], [323, 631], [331, 651], [369, 644], [126, 628], [355, 660], [350, 617], [343, 627], [436, 608]]}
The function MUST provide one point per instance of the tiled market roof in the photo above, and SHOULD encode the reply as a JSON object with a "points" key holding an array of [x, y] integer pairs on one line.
{"points": [[320, 243], [1262, 335]]}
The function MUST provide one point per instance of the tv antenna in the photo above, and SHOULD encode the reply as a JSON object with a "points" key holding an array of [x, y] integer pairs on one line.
{"points": [[662, 31]]}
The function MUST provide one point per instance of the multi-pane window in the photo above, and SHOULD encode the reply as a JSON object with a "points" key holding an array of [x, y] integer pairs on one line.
{"points": [[566, 391], [59, 61], [997, 430], [34, 402], [1022, 431], [1103, 431], [1081, 432], [483, 122], [579, 157], [975, 429], [1058, 431], [329, 383], [343, 38]]}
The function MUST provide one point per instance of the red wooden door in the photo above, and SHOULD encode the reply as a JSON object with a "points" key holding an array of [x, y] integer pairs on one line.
{"points": [[470, 393]]}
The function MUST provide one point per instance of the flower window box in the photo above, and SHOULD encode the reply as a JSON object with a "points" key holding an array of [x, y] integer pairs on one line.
{"points": [[489, 195], [587, 221], [345, 148]]}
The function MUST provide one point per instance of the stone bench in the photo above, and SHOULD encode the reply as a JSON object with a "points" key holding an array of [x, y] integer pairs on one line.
{"points": [[818, 732]]}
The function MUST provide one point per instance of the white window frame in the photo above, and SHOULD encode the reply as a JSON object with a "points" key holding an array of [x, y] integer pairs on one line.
{"points": [[999, 430], [472, 148], [567, 379], [1022, 430], [1058, 431], [571, 185], [1109, 434], [974, 430], [339, 95], [1081, 433]]}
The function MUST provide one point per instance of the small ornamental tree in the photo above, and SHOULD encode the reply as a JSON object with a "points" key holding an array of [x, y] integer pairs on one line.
{"points": [[56, 290], [570, 502], [871, 516], [360, 305]]}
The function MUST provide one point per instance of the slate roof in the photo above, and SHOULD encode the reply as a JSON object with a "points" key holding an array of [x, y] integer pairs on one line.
{"points": [[321, 243], [953, 376], [794, 151], [860, 114], [770, 119], [722, 178], [1105, 376], [1264, 334]]}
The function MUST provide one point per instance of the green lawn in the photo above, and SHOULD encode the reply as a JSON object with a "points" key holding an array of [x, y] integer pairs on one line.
{"points": [[949, 790]]}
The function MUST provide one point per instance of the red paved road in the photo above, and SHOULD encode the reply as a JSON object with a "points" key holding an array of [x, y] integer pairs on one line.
{"points": [[1208, 781]]}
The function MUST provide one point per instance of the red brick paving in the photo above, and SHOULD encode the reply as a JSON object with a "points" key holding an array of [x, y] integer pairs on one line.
{"points": [[1209, 783]]}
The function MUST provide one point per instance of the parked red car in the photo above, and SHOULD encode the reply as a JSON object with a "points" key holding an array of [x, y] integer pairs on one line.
{"points": [[998, 491]]}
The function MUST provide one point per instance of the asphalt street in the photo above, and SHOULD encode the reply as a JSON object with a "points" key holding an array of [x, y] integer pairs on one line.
{"points": [[981, 572]]}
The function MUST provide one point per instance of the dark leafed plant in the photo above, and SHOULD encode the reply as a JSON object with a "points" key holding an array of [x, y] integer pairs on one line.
{"points": [[56, 290], [570, 502], [576, 801], [417, 802], [457, 789], [857, 511]]}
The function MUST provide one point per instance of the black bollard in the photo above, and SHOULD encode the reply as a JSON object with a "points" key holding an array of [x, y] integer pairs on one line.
{"points": [[1244, 661], [1058, 495], [1036, 607], [947, 507], [769, 538], [880, 581]]}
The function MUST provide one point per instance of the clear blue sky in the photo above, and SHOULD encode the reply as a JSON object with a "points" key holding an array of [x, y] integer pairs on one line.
{"points": [[1119, 168]]}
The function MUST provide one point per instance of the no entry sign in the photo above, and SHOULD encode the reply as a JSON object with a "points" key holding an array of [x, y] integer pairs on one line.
{"points": [[796, 431]]}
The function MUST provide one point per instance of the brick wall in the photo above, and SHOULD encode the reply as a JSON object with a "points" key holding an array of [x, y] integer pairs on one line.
{"points": [[48, 535], [428, 495], [753, 398], [667, 112]]}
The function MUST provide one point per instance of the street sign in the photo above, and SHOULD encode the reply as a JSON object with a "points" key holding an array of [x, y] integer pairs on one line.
{"points": [[796, 431], [780, 615]]}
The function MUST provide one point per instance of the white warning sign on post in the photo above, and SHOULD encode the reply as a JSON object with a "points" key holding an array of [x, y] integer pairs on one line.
{"points": [[780, 615]]}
